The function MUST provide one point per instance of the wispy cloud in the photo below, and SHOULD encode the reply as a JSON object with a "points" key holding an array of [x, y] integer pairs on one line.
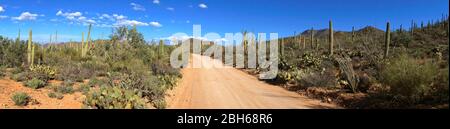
{"points": [[26, 16], [76, 17], [137, 7], [2, 9], [155, 24], [3, 17], [70, 16], [156, 2], [130, 23], [170, 9], [203, 6]]}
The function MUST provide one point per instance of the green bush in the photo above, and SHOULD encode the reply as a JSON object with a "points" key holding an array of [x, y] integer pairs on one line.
{"points": [[407, 78], [114, 98], [35, 83], [84, 88], [20, 98], [64, 89], [160, 104], [19, 77], [55, 95]]}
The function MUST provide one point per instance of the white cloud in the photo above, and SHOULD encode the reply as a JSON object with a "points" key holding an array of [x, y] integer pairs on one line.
{"points": [[1, 9], [156, 2], [76, 17], [155, 24], [130, 23], [119, 17], [203, 6], [70, 16], [3, 17], [137, 7], [171, 9], [26, 16], [54, 20]]}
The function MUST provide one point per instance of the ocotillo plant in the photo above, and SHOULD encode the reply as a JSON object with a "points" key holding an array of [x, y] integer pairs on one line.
{"points": [[29, 46], [388, 40], [312, 37], [331, 38]]}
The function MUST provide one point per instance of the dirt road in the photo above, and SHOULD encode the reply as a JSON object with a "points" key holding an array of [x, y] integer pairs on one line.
{"points": [[229, 88]]}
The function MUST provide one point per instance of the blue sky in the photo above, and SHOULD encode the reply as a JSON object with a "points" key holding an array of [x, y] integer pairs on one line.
{"points": [[162, 18]]}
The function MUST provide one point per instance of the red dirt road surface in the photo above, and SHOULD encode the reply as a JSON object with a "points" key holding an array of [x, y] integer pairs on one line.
{"points": [[230, 88]]}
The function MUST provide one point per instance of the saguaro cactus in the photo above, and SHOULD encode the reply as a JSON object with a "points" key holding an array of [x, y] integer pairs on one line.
{"points": [[388, 40], [83, 51], [29, 46], [353, 34], [412, 27], [161, 48], [331, 38], [32, 54], [312, 37], [18, 38], [89, 37]]}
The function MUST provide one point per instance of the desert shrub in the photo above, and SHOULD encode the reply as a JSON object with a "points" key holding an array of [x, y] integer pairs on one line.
{"points": [[114, 98], [55, 95], [407, 78], [84, 88], [73, 72], [42, 72], [2, 71], [98, 82], [20, 98], [168, 81], [64, 89], [160, 104], [19, 77], [309, 60], [12, 53], [35, 83], [403, 39], [160, 68], [324, 78], [440, 89], [146, 84]]}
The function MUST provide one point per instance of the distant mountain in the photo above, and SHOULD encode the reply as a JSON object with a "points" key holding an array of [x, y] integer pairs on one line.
{"points": [[370, 30]]}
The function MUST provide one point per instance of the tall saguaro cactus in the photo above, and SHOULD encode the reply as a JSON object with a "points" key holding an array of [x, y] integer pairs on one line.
{"points": [[29, 47], [18, 38], [353, 34], [387, 40], [312, 37], [331, 38], [83, 51], [88, 39]]}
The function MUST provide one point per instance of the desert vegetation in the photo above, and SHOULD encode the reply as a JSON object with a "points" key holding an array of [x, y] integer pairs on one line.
{"points": [[368, 67], [124, 71]]}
